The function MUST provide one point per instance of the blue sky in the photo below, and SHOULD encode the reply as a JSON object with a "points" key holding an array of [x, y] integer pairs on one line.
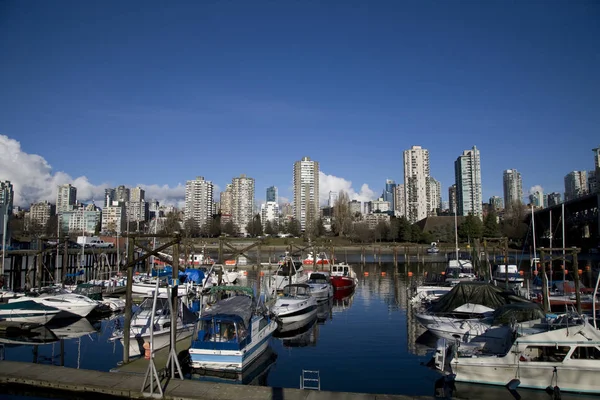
{"points": [[157, 93]]}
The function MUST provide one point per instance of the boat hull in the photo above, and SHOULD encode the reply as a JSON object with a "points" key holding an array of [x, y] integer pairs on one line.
{"points": [[342, 282], [29, 316], [232, 360], [161, 339], [297, 315], [532, 375], [145, 288]]}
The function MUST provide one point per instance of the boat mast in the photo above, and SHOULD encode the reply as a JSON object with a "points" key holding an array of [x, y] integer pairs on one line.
{"points": [[563, 251], [456, 234]]}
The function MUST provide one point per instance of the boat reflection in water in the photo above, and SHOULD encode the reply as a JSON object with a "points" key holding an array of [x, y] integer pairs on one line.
{"points": [[473, 391], [324, 311], [255, 373], [72, 328], [342, 300], [304, 336], [35, 335]]}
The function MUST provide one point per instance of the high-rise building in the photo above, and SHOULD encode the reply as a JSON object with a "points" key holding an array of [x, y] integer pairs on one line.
{"points": [[536, 197], [355, 207], [513, 187], [114, 218], [226, 204], [40, 213], [434, 196], [243, 201], [110, 195], [596, 184], [272, 194], [593, 181], [575, 185], [80, 219], [553, 199], [122, 194], [596, 157], [66, 198], [399, 204], [7, 195], [468, 183], [269, 211], [306, 192], [389, 193], [137, 194], [452, 199], [333, 196], [199, 201], [416, 172], [497, 203]]}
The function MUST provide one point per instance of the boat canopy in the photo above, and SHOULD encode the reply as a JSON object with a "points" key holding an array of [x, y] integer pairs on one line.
{"points": [[194, 275], [475, 293], [26, 305], [518, 312], [318, 277], [236, 306], [235, 289], [296, 289]]}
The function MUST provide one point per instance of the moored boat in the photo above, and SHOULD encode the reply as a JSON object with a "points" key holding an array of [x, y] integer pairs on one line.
{"points": [[294, 305], [288, 272], [27, 311], [343, 276], [231, 333], [320, 285]]}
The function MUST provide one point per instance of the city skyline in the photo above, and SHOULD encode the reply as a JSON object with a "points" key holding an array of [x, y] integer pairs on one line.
{"points": [[352, 93]]}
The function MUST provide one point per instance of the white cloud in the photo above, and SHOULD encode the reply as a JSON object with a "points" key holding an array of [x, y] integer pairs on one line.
{"points": [[333, 183], [33, 179], [536, 188]]}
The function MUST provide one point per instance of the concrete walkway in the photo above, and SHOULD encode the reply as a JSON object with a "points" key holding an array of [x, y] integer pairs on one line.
{"points": [[42, 379]]}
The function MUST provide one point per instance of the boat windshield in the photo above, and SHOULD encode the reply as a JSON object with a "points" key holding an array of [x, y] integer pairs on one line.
{"points": [[285, 269], [318, 278], [340, 270], [296, 290], [222, 330], [162, 303]]}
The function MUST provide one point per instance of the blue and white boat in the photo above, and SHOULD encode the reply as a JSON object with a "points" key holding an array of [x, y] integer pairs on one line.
{"points": [[27, 311], [231, 333]]}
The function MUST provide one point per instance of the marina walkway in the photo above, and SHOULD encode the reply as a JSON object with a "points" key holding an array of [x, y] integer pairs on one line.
{"points": [[41, 380]]}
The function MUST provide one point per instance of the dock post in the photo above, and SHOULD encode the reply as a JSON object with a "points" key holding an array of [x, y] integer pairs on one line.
{"points": [[258, 256], [221, 250], [544, 283], [379, 255], [576, 279], [395, 258], [65, 260], [173, 361], [128, 300]]}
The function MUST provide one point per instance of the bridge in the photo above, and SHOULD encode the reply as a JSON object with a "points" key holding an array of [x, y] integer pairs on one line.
{"points": [[581, 219]]}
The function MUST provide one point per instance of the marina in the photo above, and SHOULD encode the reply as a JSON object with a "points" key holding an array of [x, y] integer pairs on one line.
{"points": [[366, 342]]}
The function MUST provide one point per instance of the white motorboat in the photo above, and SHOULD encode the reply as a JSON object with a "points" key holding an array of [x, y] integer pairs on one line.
{"points": [[428, 293], [232, 332], [433, 249], [295, 304], [144, 286], [288, 272], [511, 272], [228, 277], [142, 319], [70, 304], [563, 354], [320, 285], [27, 311]]}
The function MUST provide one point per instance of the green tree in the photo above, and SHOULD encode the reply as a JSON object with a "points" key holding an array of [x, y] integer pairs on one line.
{"points": [[171, 224], [471, 228], [254, 227], [490, 225], [319, 228], [404, 230], [342, 224], [382, 230], [393, 234], [415, 233], [191, 228], [362, 233], [513, 224], [269, 228], [293, 227], [215, 227], [229, 228]]}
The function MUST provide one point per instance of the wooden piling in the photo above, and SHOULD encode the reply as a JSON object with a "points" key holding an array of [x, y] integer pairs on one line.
{"points": [[576, 279], [128, 300]]}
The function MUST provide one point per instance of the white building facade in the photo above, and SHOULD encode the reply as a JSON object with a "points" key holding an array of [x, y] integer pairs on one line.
{"points": [[306, 192], [66, 198], [416, 172], [576, 185], [513, 187], [199, 201], [467, 168], [243, 201], [269, 211]]}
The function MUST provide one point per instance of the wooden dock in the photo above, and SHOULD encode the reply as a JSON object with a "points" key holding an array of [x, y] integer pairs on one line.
{"points": [[139, 366], [44, 380]]}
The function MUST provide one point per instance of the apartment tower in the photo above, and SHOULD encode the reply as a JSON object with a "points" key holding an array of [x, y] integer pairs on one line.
{"points": [[576, 185], [467, 169], [243, 201], [66, 198], [199, 201], [416, 172], [513, 187], [306, 192]]}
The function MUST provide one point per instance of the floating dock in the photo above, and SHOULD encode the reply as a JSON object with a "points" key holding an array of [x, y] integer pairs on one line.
{"points": [[42, 380]]}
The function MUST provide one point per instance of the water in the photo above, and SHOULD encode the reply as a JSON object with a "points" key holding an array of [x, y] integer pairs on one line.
{"points": [[368, 342]]}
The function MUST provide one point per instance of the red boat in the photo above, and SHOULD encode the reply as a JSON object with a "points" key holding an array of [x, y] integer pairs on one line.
{"points": [[343, 277], [322, 259]]}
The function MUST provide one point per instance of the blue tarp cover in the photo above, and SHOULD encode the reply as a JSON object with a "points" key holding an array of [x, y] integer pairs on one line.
{"points": [[194, 275]]}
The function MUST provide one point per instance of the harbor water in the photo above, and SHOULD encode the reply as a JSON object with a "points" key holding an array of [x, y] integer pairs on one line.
{"points": [[367, 342]]}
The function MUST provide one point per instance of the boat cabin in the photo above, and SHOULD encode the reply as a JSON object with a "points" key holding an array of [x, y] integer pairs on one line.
{"points": [[319, 277], [227, 325], [296, 290], [340, 270]]}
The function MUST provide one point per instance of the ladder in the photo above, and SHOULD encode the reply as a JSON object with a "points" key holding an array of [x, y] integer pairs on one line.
{"points": [[310, 380]]}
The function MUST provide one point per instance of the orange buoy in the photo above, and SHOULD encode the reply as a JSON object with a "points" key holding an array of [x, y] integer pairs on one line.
{"points": [[410, 273], [262, 273], [382, 273], [443, 272], [580, 271], [521, 273], [366, 273], [146, 347]]}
